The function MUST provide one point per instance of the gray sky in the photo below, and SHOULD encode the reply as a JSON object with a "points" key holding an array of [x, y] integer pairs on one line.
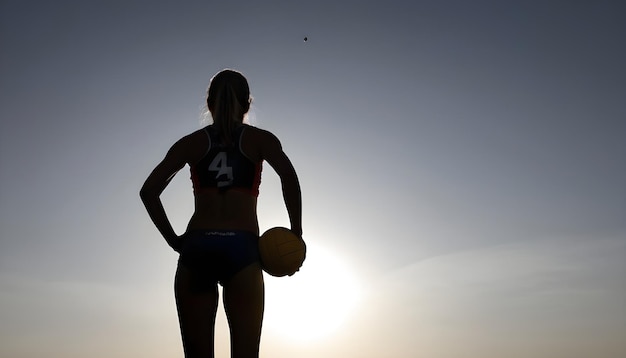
{"points": [[464, 160]]}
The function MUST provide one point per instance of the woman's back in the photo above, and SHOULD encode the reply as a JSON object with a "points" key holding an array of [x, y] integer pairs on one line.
{"points": [[226, 178]]}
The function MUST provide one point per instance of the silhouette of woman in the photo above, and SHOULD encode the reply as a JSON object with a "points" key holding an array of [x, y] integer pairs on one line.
{"points": [[220, 244]]}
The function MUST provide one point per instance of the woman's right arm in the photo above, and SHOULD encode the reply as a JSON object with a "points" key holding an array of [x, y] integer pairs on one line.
{"points": [[274, 155], [154, 185]]}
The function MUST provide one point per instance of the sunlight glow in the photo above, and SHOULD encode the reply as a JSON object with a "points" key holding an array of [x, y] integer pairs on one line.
{"points": [[314, 302]]}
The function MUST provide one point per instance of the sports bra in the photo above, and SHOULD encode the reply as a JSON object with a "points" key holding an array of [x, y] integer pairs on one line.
{"points": [[225, 167]]}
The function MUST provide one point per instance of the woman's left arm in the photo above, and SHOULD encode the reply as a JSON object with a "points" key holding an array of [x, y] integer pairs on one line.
{"points": [[154, 185]]}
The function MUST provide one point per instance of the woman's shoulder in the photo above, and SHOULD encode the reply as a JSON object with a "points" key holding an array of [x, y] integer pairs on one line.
{"points": [[258, 143], [192, 146], [260, 134]]}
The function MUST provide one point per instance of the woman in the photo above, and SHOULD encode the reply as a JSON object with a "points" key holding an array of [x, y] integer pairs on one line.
{"points": [[221, 241]]}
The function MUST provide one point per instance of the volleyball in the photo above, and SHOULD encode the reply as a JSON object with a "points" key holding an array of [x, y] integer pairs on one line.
{"points": [[282, 251]]}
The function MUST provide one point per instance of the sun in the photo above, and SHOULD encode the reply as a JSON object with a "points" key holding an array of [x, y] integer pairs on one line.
{"points": [[313, 303]]}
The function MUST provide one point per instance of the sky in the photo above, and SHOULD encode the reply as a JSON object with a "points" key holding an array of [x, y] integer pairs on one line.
{"points": [[462, 166]]}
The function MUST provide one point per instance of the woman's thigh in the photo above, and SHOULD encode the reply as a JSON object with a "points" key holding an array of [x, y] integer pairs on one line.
{"points": [[196, 313], [244, 301]]}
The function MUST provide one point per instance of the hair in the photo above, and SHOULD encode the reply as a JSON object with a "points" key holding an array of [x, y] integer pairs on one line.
{"points": [[228, 100]]}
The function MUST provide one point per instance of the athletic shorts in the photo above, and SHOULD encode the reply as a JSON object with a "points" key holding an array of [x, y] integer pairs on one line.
{"points": [[216, 255]]}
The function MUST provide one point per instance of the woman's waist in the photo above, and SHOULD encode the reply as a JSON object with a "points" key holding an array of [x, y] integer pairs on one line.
{"points": [[204, 223], [219, 233]]}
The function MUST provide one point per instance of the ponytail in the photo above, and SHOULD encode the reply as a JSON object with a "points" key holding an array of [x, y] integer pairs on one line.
{"points": [[228, 101]]}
